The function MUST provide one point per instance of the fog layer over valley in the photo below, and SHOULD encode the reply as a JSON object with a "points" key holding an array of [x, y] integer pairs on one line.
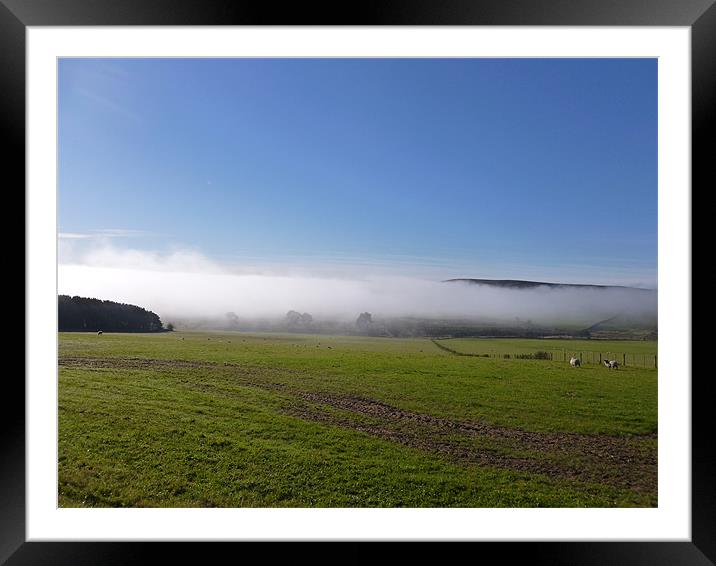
{"points": [[189, 287]]}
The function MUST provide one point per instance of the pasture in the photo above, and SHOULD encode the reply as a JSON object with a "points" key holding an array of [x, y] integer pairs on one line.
{"points": [[229, 419]]}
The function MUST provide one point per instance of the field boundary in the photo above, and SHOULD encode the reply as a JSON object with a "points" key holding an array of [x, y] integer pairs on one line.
{"points": [[561, 355]]}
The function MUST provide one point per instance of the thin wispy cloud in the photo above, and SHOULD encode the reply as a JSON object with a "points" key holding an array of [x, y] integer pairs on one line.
{"points": [[105, 233], [111, 70], [74, 236], [106, 103]]}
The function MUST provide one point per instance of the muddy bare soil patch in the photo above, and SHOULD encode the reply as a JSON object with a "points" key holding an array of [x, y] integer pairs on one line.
{"points": [[621, 461]]}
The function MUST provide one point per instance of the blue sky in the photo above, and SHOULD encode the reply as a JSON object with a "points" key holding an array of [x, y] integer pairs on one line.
{"points": [[532, 168]]}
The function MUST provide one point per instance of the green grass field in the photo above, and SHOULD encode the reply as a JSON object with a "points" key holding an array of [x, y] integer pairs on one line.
{"points": [[263, 420]]}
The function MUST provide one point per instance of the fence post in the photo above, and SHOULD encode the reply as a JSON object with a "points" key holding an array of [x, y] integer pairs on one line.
{"points": [[624, 360], [600, 358], [655, 360]]}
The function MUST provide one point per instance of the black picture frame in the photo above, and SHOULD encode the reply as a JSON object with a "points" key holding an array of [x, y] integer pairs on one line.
{"points": [[17, 15]]}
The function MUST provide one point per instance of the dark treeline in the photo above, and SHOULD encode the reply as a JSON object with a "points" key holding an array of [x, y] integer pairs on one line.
{"points": [[92, 315]]}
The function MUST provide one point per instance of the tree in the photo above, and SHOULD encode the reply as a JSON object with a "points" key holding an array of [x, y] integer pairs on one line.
{"points": [[293, 317], [170, 327], [92, 315], [364, 320], [232, 321]]}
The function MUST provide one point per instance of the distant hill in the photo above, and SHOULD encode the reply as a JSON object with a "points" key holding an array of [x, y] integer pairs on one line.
{"points": [[91, 315], [596, 311], [622, 325], [519, 284]]}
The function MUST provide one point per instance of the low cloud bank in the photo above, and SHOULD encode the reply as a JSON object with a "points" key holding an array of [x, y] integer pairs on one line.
{"points": [[189, 285]]}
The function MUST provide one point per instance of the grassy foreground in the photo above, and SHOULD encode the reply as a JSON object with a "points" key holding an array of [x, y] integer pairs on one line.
{"points": [[232, 419]]}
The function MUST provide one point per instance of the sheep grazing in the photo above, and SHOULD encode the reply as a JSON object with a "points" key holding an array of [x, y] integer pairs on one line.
{"points": [[611, 364], [575, 363], [99, 333]]}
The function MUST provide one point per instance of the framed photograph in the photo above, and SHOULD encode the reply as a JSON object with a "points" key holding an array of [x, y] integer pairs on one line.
{"points": [[420, 275]]}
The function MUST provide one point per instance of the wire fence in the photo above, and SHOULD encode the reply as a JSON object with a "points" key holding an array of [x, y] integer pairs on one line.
{"points": [[624, 359]]}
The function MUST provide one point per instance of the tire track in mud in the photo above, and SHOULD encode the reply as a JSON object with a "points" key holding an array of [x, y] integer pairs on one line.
{"points": [[619, 461], [594, 458]]}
